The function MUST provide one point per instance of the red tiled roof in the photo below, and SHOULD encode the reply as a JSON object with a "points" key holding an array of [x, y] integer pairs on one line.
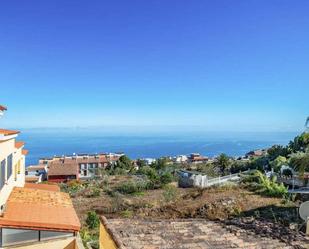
{"points": [[8, 132], [2, 108], [63, 169], [29, 208], [25, 152], [19, 144]]}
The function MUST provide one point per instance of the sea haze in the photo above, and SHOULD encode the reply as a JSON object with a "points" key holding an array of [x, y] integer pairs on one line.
{"points": [[50, 142]]}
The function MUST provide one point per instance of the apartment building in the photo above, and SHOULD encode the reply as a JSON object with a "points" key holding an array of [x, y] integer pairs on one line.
{"points": [[32, 215], [79, 166]]}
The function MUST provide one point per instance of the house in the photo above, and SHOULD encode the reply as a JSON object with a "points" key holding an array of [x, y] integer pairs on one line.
{"points": [[178, 233], [62, 172], [87, 165], [197, 158], [180, 159], [12, 164], [256, 153], [32, 216], [36, 173], [149, 161]]}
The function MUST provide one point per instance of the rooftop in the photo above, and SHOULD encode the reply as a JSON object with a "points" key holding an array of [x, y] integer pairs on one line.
{"points": [[8, 132], [25, 152], [32, 207], [3, 108], [58, 168], [19, 144], [185, 234]]}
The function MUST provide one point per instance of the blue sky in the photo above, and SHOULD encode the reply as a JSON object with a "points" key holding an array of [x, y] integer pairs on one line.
{"points": [[211, 65]]}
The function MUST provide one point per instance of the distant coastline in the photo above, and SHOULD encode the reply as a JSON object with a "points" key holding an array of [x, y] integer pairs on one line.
{"points": [[50, 142]]}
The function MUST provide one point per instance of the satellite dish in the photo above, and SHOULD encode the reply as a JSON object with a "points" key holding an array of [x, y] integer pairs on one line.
{"points": [[304, 210]]}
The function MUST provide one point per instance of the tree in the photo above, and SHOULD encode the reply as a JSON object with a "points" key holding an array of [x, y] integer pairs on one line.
{"points": [[223, 163], [300, 162], [141, 163], [160, 164], [300, 143], [124, 162], [278, 163], [277, 150]]}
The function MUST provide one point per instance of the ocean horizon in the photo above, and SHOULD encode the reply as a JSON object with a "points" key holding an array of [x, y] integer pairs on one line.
{"points": [[51, 142]]}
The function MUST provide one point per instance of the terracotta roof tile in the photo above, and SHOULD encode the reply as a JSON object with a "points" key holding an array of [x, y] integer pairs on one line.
{"points": [[40, 209], [19, 144], [25, 152], [8, 132], [58, 168]]}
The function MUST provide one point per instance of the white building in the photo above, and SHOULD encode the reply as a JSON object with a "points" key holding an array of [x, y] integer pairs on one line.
{"points": [[12, 164], [181, 159]]}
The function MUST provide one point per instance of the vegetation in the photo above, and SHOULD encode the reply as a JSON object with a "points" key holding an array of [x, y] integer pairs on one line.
{"points": [[259, 183], [170, 193], [92, 220]]}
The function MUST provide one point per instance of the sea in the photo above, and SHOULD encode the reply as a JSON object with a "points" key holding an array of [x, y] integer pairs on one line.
{"points": [[50, 142]]}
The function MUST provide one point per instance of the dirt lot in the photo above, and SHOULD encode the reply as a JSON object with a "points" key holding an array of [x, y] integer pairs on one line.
{"points": [[235, 207], [215, 203]]}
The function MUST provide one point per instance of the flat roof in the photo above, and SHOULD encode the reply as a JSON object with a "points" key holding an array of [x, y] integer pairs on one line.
{"points": [[181, 233], [33, 208]]}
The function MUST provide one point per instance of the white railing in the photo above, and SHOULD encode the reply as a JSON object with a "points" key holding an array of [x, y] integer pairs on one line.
{"points": [[202, 181]]}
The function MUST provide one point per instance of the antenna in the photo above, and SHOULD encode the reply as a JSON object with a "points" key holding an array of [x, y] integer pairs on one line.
{"points": [[304, 210], [304, 214]]}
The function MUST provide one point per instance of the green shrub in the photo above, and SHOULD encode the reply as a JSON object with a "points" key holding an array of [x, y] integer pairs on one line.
{"points": [[94, 192], [170, 193], [166, 178], [92, 220], [258, 182], [132, 187], [126, 214]]}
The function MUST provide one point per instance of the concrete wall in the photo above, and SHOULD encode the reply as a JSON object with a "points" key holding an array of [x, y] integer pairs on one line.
{"points": [[6, 148], [187, 180]]}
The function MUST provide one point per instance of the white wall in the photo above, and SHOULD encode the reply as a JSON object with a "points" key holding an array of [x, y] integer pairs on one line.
{"points": [[7, 148]]}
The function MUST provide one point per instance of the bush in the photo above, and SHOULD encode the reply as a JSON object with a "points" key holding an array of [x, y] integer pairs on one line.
{"points": [[170, 193], [92, 220], [127, 214], [261, 184], [94, 192], [132, 187], [166, 178]]}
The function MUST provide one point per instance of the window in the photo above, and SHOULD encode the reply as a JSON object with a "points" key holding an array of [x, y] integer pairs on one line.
{"points": [[46, 235], [11, 236], [18, 236], [10, 166], [2, 173]]}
